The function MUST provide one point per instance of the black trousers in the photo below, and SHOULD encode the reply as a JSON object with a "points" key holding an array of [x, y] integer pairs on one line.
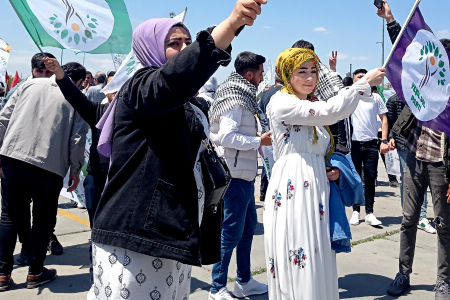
{"points": [[365, 156], [22, 182], [418, 177]]}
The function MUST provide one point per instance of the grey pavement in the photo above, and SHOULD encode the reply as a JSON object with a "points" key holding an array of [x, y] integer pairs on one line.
{"points": [[364, 273]]}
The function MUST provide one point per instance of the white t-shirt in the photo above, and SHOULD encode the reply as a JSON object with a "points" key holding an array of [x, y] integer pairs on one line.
{"points": [[364, 119]]}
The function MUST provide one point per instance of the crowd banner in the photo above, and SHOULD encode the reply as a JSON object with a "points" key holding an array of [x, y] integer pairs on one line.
{"points": [[418, 69], [78, 195], [4, 58], [393, 163], [269, 76], [129, 66], [90, 26]]}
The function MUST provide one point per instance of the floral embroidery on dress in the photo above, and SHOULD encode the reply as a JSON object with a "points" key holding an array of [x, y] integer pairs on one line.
{"points": [[321, 211], [272, 266], [306, 184], [298, 257], [312, 112], [277, 198], [290, 190]]}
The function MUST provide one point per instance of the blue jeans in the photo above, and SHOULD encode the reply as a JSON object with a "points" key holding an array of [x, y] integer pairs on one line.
{"points": [[239, 225], [423, 210]]}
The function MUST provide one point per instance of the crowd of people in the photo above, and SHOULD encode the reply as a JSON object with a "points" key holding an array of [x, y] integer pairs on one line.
{"points": [[145, 188]]}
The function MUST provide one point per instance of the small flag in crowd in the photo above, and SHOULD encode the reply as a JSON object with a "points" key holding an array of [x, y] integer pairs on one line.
{"points": [[4, 46], [16, 80], [181, 16], [420, 74], [129, 66], [269, 76], [385, 93], [98, 27], [4, 58]]}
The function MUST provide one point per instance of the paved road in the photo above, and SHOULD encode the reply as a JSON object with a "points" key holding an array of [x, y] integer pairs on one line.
{"points": [[363, 274]]}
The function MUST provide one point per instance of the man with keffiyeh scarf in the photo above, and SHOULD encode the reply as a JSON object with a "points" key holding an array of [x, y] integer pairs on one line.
{"points": [[234, 131]]}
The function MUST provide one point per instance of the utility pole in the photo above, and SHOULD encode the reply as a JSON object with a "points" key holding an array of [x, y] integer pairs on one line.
{"points": [[382, 51]]}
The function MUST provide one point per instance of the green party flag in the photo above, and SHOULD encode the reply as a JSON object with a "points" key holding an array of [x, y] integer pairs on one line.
{"points": [[385, 93], [91, 26]]}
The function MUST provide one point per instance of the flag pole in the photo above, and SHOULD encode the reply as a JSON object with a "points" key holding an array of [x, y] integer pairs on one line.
{"points": [[84, 56], [62, 52], [184, 17], [23, 23], [411, 14]]}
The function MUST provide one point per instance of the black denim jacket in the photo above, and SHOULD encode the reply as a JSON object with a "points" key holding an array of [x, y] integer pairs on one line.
{"points": [[150, 204]]}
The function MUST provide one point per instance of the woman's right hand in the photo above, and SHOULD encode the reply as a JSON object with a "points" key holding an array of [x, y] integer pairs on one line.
{"points": [[375, 77], [245, 13]]}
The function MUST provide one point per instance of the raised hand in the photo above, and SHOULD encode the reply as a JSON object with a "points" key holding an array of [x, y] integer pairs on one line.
{"points": [[53, 66], [375, 77], [244, 13], [385, 12], [333, 60]]}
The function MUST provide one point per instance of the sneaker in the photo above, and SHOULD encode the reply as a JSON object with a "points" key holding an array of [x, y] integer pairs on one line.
{"points": [[5, 281], [442, 290], [73, 203], [252, 287], [394, 184], [223, 294], [80, 206], [55, 246], [425, 225], [372, 220], [47, 275], [399, 285], [355, 218], [24, 257]]}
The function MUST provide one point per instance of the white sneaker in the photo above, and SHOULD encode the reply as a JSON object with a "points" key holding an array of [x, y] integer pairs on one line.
{"points": [[372, 220], [425, 225], [252, 287], [223, 294], [80, 206], [355, 218]]}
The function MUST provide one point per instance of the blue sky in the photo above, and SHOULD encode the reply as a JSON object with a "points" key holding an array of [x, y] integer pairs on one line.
{"points": [[350, 27]]}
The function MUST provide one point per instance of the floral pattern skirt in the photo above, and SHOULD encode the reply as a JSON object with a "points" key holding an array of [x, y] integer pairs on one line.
{"points": [[301, 263]]}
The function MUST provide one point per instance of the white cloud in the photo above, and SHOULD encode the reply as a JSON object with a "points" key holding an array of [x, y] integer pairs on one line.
{"points": [[360, 58], [442, 34], [268, 27], [342, 56], [321, 29]]}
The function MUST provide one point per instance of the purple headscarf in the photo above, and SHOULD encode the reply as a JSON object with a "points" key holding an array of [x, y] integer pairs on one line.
{"points": [[149, 46], [149, 41]]}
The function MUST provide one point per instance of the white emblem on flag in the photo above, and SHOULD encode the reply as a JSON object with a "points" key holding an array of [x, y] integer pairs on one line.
{"points": [[426, 76], [75, 24]]}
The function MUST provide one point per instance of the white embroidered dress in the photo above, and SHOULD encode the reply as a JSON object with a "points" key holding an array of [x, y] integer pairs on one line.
{"points": [[299, 258], [122, 274]]}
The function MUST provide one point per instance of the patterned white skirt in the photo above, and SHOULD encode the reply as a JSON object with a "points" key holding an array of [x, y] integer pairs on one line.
{"points": [[122, 274]]}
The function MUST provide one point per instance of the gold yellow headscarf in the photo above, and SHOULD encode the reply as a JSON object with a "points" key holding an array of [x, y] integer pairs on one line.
{"points": [[290, 60], [287, 63]]}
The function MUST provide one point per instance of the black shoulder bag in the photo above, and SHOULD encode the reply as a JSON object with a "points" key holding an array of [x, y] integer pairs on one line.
{"points": [[216, 178]]}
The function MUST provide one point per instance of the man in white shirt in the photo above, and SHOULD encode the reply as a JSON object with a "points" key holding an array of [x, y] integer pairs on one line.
{"points": [[365, 148], [234, 131]]}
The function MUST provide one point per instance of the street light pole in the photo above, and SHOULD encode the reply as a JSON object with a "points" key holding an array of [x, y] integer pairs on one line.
{"points": [[382, 50]]}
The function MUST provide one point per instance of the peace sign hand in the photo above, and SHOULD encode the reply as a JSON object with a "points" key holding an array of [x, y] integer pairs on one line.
{"points": [[333, 60]]}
